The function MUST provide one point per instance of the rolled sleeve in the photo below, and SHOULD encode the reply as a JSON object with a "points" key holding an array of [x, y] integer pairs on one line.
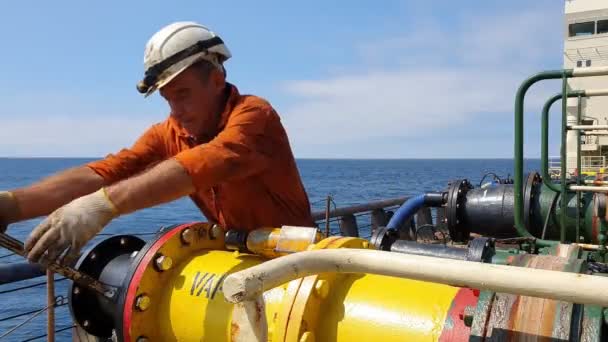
{"points": [[147, 150], [241, 150]]}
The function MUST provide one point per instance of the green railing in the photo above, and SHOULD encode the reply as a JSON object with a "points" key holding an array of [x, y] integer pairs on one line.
{"points": [[563, 189]]}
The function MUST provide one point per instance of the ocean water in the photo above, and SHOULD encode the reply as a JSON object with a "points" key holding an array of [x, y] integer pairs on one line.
{"points": [[348, 181]]}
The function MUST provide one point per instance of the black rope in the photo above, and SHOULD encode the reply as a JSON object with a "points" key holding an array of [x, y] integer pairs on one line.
{"points": [[29, 286], [56, 331]]}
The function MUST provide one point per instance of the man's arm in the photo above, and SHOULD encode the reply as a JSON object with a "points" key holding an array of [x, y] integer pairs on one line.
{"points": [[165, 182], [44, 197], [237, 152]]}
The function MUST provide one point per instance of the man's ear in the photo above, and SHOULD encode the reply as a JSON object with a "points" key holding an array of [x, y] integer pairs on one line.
{"points": [[218, 80]]}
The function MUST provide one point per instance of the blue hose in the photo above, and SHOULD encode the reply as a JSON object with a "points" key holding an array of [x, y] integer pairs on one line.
{"points": [[406, 211], [18, 271]]}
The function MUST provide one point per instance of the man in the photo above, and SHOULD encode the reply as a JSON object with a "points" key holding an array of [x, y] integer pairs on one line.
{"points": [[227, 151]]}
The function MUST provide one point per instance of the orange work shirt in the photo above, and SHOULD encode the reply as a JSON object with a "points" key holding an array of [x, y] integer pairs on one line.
{"points": [[245, 177]]}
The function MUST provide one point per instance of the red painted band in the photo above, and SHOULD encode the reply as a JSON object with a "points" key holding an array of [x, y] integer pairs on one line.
{"points": [[138, 274], [454, 328]]}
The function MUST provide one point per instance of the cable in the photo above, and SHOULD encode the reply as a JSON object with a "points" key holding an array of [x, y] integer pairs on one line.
{"points": [[7, 255], [495, 176], [29, 286], [56, 331]]}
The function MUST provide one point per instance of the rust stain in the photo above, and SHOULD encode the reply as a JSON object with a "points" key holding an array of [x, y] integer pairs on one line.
{"points": [[234, 331], [259, 310]]}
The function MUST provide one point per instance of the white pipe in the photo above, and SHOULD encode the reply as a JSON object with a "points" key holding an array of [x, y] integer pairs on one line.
{"points": [[588, 127], [593, 133], [585, 72], [588, 188], [596, 92], [596, 182], [570, 287]]}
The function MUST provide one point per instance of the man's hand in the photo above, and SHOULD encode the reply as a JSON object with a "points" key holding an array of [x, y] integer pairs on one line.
{"points": [[65, 231], [9, 210]]}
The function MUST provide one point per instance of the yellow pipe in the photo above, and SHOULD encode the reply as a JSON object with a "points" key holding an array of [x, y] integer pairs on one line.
{"points": [[186, 303], [354, 308]]}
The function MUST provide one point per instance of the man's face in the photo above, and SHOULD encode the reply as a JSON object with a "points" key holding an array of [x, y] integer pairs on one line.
{"points": [[193, 100]]}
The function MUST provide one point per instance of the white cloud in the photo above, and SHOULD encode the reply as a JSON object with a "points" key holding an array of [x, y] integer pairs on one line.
{"points": [[438, 77], [68, 136]]}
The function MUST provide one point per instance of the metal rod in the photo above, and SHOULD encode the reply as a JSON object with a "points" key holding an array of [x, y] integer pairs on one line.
{"points": [[596, 182], [319, 215], [589, 188], [327, 208], [579, 127], [586, 72], [592, 133], [563, 164], [80, 278], [578, 168], [50, 302]]}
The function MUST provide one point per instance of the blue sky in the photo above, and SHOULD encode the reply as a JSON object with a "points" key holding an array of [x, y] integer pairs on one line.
{"points": [[404, 79]]}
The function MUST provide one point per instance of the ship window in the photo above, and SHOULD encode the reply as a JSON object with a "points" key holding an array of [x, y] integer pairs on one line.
{"points": [[602, 26], [582, 29], [588, 63], [579, 64]]}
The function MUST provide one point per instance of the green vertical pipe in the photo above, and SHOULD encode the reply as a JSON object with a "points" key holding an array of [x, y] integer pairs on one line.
{"points": [[519, 149], [563, 202], [544, 150], [578, 167]]}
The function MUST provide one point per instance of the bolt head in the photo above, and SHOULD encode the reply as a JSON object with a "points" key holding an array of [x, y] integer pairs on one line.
{"points": [[142, 339], [187, 236], [142, 302], [76, 290], [215, 232], [86, 323], [93, 256], [123, 241], [365, 244], [163, 263]]}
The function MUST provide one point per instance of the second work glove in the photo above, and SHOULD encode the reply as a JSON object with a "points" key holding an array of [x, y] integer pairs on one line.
{"points": [[65, 231]]}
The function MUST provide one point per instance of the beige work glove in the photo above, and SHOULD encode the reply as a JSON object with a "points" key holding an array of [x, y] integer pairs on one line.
{"points": [[66, 230], [9, 210]]}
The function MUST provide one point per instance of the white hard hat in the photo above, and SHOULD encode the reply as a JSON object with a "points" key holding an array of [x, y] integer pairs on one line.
{"points": [[176, 47]]}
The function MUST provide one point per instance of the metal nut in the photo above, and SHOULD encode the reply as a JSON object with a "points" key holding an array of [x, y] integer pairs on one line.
{"points": [[76, 290], [322, 289], [163, 263], [187, 236], [123, 241], [142, 302], [215, 232], [365, 244]]}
